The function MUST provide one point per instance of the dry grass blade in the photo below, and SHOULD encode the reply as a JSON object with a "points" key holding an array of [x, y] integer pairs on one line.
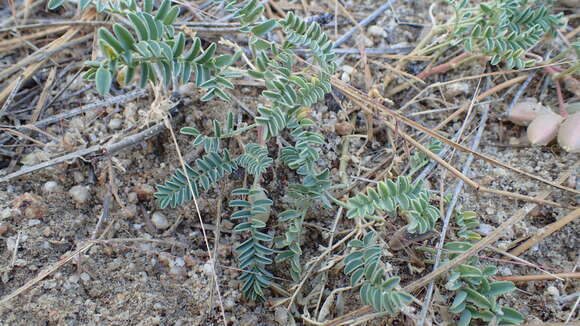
{"points": [[539, 277], [19, 41], [546, 232]]}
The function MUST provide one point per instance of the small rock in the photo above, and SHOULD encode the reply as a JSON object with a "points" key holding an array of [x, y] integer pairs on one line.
{"points": [[208, 268], [160, 221], [85, 277], [345, 77], [376, 30], [179, 262], [78, 177], [115, 124], [229, 303], [51, 187], [7, 212], [80, 194], [348, 69], [177, 271], [368, 42], [47, 232], [553, 291], [455, 89], [3, 229], [485, 229], [343, 128], [33, 222], [73, 278], [49, 284], [505, 271], [129, 211], [132, 197]]}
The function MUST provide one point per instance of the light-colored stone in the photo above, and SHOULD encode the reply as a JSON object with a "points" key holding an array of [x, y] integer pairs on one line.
{"points": [[159, 220], [208, 268], [80, 194], [456, 89], [377, 30], [553, 291], [51, 187], [115, 124], [348, 69]]}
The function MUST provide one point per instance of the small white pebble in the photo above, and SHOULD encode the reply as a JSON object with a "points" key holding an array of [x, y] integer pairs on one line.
{"points": [[229, 303], [208, 268], [376, 30], [160, 221], [51, 187], [348, 69], [456, 89], [505, 271], [179, 262], [553, 291], [33, 222], [78, 177], [115, 124], [177, 271], [132, 197], [85, 277], [80, 194], [485, 229], [345, 77]]}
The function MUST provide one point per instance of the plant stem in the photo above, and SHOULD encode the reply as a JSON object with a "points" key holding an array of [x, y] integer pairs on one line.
{"points": [[336, 201]]}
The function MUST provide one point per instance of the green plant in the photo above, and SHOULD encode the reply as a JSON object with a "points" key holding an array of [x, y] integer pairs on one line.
{"points": [[152, 47], [475, 293], [253, 253], [363, 265], [420, 159], [502, 29], [410, 200]]}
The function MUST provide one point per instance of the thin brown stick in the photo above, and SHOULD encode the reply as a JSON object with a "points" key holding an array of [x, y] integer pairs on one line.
{"points": [[15, 88], [546, 232], [575, 323], [19, 41], [539, 277]]}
